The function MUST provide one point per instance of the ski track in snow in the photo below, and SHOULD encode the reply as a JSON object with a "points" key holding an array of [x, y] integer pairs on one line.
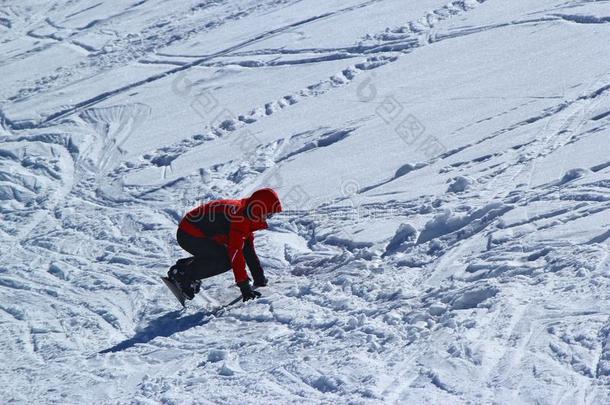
{"points": [[494, 290]]}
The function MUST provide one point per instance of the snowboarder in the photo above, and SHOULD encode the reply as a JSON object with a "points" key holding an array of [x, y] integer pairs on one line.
{"points": [[220, 236]]}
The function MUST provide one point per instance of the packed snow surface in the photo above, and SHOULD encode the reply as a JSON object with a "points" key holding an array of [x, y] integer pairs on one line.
{"points": [[445, 172]]}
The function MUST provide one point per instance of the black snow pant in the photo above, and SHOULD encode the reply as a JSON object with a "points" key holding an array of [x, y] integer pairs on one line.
{"points": [[209, 258]]}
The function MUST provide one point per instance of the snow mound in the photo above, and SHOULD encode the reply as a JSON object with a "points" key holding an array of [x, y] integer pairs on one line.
{"points": [[574, 174], [460, 184]]}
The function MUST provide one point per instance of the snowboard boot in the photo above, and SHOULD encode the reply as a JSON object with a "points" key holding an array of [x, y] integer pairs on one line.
{"points": [[179, 275]]}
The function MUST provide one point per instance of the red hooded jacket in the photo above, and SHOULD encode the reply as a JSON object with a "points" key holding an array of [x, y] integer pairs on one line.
{"points": [[232, 223]]}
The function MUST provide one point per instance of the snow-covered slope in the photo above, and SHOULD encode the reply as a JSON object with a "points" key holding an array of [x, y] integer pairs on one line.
{"points": [[445, 168]]}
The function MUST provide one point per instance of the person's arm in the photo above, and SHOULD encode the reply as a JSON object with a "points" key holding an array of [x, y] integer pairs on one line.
{"points": [[254, 264], [238, 263], [235, 249]]}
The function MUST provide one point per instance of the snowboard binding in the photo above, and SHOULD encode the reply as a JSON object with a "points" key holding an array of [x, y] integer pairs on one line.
{"points": [[179, 282]]}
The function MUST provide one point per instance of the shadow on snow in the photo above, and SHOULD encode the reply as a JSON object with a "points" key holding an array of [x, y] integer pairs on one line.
{"points": [[164, 326]]}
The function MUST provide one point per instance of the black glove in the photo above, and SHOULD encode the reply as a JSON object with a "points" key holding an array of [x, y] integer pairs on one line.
{"points": [[260, 281], [247, 293]]}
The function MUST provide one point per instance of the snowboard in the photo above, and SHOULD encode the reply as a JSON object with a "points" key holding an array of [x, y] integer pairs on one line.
{"points": [[182, 298], [175, 290]]}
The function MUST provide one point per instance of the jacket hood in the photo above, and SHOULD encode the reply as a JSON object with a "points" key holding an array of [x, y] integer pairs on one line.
{"points": [[262, 203]]}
